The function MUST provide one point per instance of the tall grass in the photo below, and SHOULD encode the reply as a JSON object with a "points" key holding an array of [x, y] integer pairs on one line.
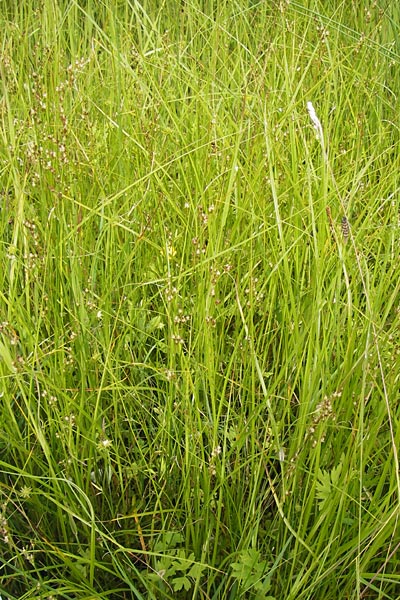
{"points": [[199, 367]]}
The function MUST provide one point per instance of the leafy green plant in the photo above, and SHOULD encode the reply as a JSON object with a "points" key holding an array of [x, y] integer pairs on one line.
{"points": [[174, 568], [327, 484], [251, 572]]}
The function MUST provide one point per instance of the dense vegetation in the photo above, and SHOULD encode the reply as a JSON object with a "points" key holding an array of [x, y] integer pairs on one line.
{"points": [[199, 299]]}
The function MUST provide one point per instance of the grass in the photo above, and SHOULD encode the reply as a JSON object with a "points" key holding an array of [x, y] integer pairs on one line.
{"points": [[199, 366]]}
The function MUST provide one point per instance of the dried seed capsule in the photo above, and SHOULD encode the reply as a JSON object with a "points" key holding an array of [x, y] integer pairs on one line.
{"points": [[345, 229]]}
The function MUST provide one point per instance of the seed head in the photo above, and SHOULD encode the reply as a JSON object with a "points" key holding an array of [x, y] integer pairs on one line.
{"points": [[345, 229]]}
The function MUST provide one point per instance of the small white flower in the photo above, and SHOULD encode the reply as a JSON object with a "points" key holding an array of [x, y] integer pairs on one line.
{"points": [[216, 452], [104, 444]]}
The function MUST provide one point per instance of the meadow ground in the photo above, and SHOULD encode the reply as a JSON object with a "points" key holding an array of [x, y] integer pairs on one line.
{"points": [[199, 300]]}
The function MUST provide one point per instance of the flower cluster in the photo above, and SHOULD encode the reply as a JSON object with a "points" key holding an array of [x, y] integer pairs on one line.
{"points": [[323, 413]]}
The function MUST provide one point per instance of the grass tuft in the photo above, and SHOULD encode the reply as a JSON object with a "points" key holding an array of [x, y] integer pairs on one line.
{"points": [[199, 313]]}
